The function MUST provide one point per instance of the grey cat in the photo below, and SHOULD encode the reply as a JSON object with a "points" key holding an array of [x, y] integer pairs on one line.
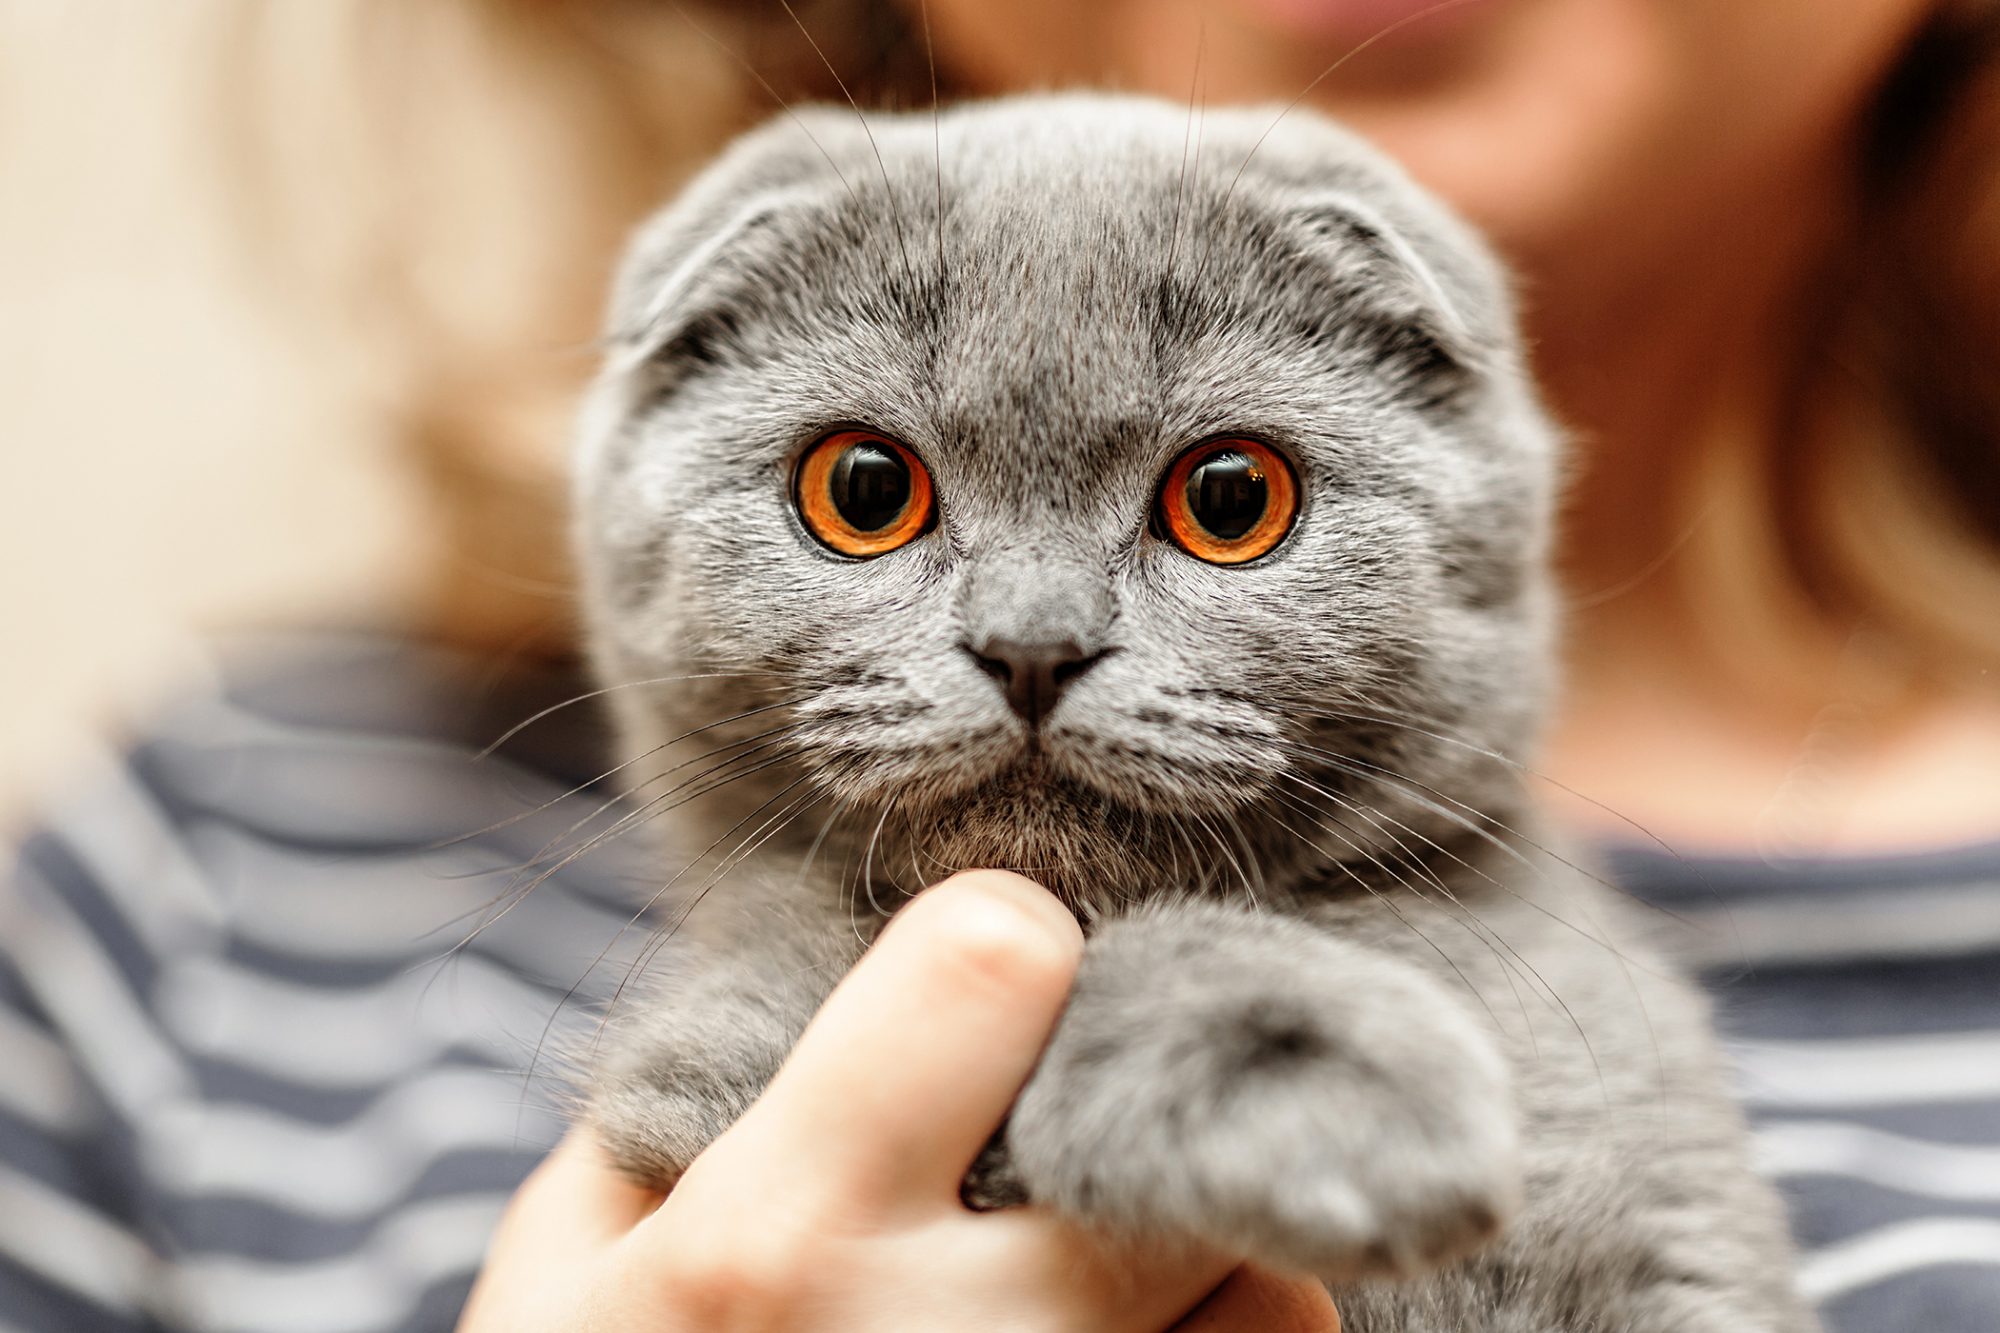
{"points": [[1165, 515]]}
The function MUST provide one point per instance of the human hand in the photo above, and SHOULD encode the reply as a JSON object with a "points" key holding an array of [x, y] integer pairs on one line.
{"points": [[834, 1201]]}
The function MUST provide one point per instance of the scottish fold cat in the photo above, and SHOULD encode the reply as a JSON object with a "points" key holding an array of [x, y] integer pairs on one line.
{"points": [[1160, 509]]}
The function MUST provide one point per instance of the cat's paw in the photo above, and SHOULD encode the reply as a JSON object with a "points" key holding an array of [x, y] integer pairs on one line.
{"points": [[684, 1058], [683, 1066], [1308, 1154], [1277, 1122], [658, 1104]]}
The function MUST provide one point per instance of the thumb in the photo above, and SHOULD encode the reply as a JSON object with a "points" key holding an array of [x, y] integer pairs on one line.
{"points": [[575, 1203], [1254, 1300]]}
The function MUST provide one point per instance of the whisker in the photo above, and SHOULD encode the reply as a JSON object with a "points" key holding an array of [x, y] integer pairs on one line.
{"points": [[1467, 817], [937, 132], [1411, 722], [1502, 952], [1220, 845], [765, 84], [1403, 853], [748, 847], [703, 784], [605, 776], [812, 851], [681, 794], [1188, 140], [515, 892], [1341, 833], [1510, 959], [910, 846], [638, 916], [868, 861], [1393, 910], [1591, 600], [1249, 854], [1322, 77], [1601, 938], [895, 214], [637, 813], [572, 701], [1476, 820]]}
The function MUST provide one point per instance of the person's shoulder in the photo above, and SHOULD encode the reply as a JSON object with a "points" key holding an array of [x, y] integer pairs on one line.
{"points": [[1742, 911], [358, 740], [307, 898], [327, 782], [1860, 1000]]}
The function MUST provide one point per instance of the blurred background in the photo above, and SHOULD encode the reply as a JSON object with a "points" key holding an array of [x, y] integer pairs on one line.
{"points": [[260, 296], [169, 461]]}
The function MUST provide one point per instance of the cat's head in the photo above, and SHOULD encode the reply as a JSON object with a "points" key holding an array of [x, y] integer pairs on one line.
{"points": [[1072, 484]]}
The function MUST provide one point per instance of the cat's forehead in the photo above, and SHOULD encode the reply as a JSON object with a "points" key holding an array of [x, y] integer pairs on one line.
{"points": [[1054, 199], [1046, 196], [1077, 263], [1042, 342], [1005, 204]]}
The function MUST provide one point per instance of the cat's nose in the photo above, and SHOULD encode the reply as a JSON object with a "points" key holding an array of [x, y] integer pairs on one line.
{"points": [[1033, 675]]}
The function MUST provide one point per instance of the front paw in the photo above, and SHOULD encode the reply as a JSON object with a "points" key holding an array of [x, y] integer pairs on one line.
{"points": [[681, 1065], [680, 1062], [664, 1095], [1275, 1113]]}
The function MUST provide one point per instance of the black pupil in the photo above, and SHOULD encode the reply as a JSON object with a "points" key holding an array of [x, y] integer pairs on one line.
{"points": [[870, 486], [1227, 494]]}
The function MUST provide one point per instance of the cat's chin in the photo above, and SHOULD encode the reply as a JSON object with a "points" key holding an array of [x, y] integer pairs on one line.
{"points": [[1088, 845], [1036, 787], [1096, 823]]}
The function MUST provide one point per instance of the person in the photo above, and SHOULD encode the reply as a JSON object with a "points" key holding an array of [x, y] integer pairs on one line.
{"points": [[1759, 252]]}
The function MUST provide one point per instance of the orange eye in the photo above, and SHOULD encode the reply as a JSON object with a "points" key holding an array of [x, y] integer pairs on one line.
{"points": [[1228, 501], [863, 494]]}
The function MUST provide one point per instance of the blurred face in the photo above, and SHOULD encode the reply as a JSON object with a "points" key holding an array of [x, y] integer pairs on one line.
{"points": [[1584, 135]]}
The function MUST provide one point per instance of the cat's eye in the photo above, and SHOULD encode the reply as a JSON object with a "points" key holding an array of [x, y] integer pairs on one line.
{"points": [[862, 494], [1228, 501]]}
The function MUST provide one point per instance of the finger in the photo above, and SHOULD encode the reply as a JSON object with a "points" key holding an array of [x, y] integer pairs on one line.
{"points": [[573, 1203], [914, 1059], [1256, 1301], [1087, 1278]]}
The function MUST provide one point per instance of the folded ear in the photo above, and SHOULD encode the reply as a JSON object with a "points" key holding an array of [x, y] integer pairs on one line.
{"points": [[675, 300], [690, 270], [1365, 240], [1429, 323]]}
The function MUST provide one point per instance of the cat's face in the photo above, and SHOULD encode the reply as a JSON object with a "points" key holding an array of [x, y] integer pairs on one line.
{"points": [[1124, 526]]}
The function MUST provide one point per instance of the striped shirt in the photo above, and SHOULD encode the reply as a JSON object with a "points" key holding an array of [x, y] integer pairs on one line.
{"points": [[260, 1073], [1861, 1001]]}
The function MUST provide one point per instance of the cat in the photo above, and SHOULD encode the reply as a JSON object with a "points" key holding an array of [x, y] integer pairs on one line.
{"points": [[1161, 508]]}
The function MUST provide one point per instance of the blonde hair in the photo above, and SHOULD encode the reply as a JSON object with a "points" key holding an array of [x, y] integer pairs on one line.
{"points": [[440, 191], [454, 179], [1897, 517]]}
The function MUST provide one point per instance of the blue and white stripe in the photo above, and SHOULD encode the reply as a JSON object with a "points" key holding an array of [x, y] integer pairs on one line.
{"points": [[241, 1086], [1861, 998]]}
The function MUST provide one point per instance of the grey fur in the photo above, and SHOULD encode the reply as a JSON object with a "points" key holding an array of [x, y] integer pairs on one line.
{"points": [[1340, 1010]]}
